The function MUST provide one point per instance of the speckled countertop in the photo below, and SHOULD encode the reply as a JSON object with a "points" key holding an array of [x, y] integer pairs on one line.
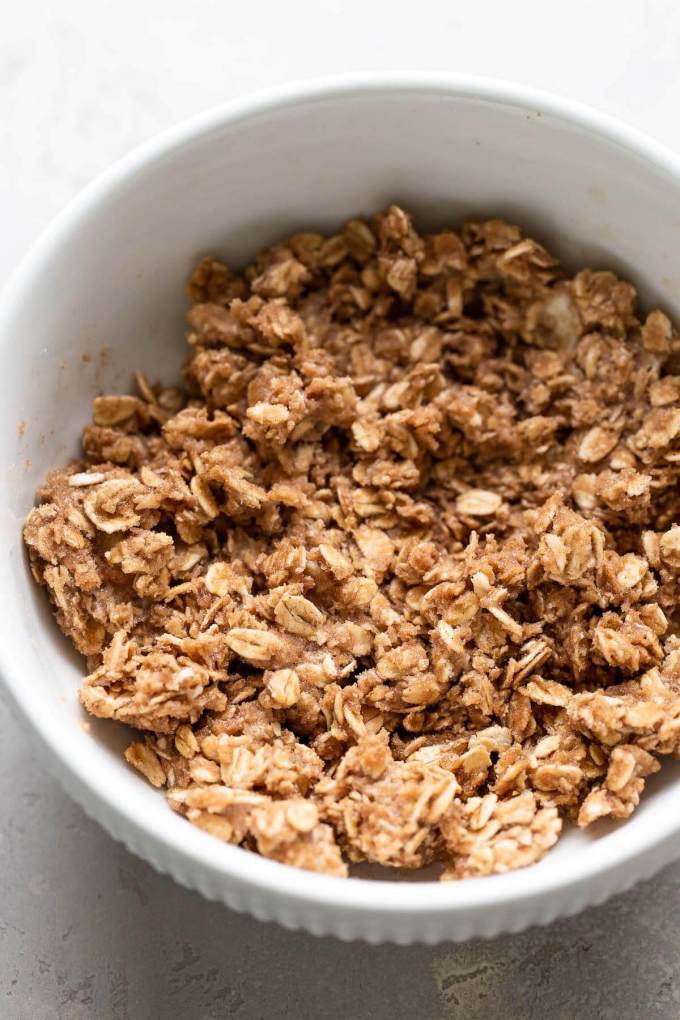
{"points": [[88, 932]]}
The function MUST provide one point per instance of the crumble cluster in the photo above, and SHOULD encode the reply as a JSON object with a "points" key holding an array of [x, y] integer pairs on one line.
{"points": [[395, 578]]}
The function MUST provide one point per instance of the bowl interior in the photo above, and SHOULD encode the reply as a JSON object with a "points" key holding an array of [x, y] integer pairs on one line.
{"points": [[104, 296]]}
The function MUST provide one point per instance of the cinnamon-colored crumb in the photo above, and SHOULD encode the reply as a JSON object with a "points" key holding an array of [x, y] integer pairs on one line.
{"points": [[395, 576]]}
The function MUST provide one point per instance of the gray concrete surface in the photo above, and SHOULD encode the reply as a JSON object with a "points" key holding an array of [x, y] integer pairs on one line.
{"points": [[88, 932]]}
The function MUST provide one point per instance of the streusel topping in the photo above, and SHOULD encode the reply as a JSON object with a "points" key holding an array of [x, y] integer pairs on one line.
{"points": [[395, 576]]}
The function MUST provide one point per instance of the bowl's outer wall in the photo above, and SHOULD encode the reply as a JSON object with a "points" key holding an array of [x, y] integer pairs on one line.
{"points": [[104, 296]]}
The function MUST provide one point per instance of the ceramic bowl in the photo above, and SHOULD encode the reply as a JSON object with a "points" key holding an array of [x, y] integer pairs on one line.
{"points": [[101, 294]]}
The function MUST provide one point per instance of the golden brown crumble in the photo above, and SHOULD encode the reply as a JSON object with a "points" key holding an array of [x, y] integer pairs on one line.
{"points": [[395, 578]]}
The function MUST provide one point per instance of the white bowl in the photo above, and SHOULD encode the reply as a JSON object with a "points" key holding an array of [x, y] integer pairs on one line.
{"points": [[102, 294]]}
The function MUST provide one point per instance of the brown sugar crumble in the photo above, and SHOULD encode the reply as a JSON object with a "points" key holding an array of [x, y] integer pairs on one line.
{"points": [[396, 576]]}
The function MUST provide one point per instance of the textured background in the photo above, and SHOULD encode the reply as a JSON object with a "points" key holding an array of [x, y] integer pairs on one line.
{"points": [[88, 932]]}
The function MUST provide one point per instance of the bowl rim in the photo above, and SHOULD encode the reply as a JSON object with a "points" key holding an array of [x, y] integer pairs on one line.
{"points": [[174, 838]]}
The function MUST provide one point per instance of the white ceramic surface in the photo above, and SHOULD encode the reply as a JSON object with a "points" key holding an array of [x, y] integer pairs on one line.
{"points": [[101, 294]]}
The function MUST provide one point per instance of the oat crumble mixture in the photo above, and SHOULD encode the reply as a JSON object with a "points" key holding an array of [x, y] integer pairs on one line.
{"points": [[395, 579]]}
